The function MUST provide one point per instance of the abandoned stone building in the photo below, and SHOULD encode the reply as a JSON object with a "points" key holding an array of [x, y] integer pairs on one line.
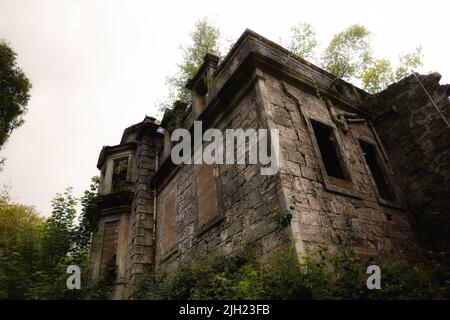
{"points": [[342, 152]]}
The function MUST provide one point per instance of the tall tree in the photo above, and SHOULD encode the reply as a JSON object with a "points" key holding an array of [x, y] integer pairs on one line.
{"points": [[204, 39], [303, 41], [14, 92], [59, 250], [20, 245], [381, 74], [60, 228], [35, 252], [348, 53], [89, 214], [349, 56]]}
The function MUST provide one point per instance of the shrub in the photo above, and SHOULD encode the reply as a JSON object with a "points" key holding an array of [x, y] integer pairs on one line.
{"points": [[319, 275]]}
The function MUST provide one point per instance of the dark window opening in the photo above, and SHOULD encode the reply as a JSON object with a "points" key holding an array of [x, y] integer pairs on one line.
{"points": [[325, 140], [119, 177], [370, 154]]}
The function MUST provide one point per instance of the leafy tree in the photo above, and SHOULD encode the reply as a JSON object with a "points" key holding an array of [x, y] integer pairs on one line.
{"points": [[89, 215], [349, 56], [35, 252], [58, 251], [409, 61], [378, 76], [60, 228], [381, 74], [303, 41], [14, 92], [20, 245], [348, 52], [204, 39]]}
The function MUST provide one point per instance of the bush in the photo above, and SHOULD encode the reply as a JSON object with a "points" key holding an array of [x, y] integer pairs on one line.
{"points": [[320, 275]]}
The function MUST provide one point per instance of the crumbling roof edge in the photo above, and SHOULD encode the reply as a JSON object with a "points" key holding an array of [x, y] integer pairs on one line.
{"points": [[248, 33]]}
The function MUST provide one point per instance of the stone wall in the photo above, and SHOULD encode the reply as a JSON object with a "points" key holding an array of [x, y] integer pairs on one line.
{"points": [[322, 205], [202, 210], [109, 243], [243, 204], [126, 223], [141, 246], [417, 140]]}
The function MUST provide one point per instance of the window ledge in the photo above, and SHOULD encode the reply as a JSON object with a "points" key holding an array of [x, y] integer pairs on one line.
{"points": [[390, 203], [171, 254], [213, 222], [341, 190]]}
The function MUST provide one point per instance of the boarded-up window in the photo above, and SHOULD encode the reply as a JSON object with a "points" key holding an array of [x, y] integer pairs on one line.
{"points": [[169, 236], [206, 194], [109, 246]]}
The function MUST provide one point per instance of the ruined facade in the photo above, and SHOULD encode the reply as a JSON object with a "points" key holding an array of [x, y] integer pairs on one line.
{"points": [[339, 157]]}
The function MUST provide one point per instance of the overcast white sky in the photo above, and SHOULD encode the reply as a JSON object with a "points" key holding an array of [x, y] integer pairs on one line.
{"points": [[100, 66]]}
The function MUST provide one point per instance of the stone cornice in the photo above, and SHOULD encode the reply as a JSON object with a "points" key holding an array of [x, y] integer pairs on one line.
{"points": [[109, 150]]}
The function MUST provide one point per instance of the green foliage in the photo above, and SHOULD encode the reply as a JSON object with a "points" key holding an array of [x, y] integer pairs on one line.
{"points": [[408, 282], [65, 243], [407, 62], [89, 215], [14, 92], [378, 76], [35, 253], [102, 290], [349, 56], [60, 229], [433, 229], [212, 279], [58, 252], [440, 260], [204, 39], [282, 217], [20, 239], [348, 52], [281, 277], [303, 41], [381, 74], [319, 275]]}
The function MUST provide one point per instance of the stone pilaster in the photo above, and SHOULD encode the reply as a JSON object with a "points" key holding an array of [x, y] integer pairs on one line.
{"points": [[141, 229]]}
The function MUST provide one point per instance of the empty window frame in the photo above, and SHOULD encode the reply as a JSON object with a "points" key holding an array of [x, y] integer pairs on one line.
{"points": [[372, 160], [328, 150], [119, 176]]}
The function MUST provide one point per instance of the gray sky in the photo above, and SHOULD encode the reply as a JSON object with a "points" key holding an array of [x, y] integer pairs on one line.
{"points": [[100, 66]]}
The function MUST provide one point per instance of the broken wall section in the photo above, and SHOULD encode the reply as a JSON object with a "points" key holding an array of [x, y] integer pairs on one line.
{"points": [[416, 138]]}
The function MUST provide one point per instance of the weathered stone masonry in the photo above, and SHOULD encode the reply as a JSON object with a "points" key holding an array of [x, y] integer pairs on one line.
{"points": [[337, 160], [417, 139]]}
